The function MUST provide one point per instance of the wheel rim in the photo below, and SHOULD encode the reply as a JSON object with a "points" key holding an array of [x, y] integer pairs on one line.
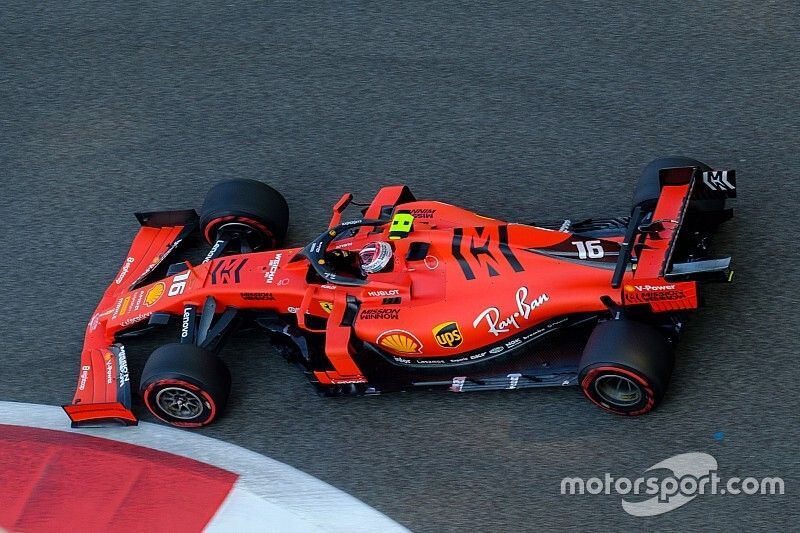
{"points": [[617, 390], [179, 403], [254, 238]]}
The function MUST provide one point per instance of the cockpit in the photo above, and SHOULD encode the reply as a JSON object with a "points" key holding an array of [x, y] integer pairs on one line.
{"points": [[342, 266]]}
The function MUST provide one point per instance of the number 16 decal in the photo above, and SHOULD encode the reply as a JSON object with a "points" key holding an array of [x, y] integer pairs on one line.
{"points": [[178, 284], [589, 249]]}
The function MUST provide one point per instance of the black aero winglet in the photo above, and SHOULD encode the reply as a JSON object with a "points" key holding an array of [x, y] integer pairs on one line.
{"points": [[215, 335], [159, 318], [705, 270], [417, 251], [177, 268], [161, 219], [206, 317], [351, 311]]}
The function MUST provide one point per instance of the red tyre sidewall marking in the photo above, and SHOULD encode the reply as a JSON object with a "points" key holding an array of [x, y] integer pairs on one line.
{"points": [[149, 390], [596, 372]]}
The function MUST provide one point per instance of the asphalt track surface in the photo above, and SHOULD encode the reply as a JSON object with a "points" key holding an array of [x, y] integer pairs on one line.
{"points": [[520, 111]]}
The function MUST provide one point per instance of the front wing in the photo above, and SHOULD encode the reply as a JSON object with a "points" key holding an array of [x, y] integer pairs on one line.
{"points": [[103, 393]]}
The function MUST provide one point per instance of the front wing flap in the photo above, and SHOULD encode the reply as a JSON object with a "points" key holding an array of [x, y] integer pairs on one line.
{"points": [[103, 394]]}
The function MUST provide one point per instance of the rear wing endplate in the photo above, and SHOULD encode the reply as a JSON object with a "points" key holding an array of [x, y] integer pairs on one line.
{"points": [[658, 236]]}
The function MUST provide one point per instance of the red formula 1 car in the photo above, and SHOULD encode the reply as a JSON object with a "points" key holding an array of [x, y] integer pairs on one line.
{"points": [[416, 294]]}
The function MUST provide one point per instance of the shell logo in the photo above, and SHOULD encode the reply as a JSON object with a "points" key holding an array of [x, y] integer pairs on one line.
{"points": [[629, 288], [399, 341], [154, 294]]}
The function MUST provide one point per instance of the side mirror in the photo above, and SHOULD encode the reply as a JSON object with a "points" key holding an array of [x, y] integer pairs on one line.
{"points": [[340, 206]]}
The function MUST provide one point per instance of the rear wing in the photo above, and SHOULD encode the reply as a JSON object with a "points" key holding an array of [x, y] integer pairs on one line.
{"points": [[656, 239], [103, 393]]}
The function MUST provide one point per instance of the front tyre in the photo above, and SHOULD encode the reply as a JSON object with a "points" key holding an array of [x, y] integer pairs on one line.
{"points": [[625, 367], [248, 208], [184, 385]]}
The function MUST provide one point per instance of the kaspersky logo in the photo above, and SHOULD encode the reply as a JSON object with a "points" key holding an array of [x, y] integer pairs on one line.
{"points": [[448, 335]]}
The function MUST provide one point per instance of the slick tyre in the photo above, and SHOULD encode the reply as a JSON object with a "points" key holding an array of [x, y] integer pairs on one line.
{"points": [[184, 385], [648, 188], [246, 207], [625, 367]]}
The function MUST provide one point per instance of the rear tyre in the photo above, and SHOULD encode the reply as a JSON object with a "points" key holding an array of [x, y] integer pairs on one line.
{"points": [[245, 207], [184, 385], [625, 367], [648, 188]]}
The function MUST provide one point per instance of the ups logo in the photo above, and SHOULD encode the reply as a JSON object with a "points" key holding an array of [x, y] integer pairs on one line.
{"points": [[448, 335]]}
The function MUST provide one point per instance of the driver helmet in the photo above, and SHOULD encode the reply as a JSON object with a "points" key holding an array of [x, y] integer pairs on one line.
{"points": [[375, 256]]}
